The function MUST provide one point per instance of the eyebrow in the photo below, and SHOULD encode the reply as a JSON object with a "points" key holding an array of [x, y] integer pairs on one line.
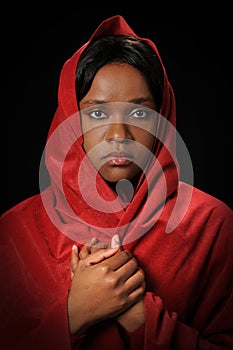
{"points": [[137, 100]]}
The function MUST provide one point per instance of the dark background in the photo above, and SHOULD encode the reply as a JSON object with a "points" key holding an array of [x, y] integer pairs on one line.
{"points": [[195, 45]]}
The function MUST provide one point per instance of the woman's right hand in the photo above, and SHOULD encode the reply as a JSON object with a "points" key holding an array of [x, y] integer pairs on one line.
{"points": [[104, 284]]}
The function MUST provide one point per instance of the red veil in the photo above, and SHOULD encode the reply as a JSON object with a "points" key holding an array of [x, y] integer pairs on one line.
{"points": [[65, 154], [188, 264]]}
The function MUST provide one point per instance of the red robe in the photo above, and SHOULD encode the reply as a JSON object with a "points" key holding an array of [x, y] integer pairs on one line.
{"points": [[188, 269]]}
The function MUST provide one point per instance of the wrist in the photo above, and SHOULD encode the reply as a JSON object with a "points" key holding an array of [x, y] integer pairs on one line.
{"points": [[77, 324]]}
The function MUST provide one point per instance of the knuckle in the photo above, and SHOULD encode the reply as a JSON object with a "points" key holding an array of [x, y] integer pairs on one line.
{"points": [[123, 303], [112, 282], [120, 295], [104, 269]]}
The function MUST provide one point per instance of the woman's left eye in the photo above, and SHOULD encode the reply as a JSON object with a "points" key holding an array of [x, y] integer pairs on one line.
{"points": [[141, 113], [97, 114]]}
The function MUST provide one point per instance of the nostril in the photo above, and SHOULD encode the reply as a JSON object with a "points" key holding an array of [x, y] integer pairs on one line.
{"points": [[119, 140]]}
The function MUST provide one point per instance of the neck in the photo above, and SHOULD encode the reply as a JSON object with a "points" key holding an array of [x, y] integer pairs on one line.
{"points": [[125, 188]]}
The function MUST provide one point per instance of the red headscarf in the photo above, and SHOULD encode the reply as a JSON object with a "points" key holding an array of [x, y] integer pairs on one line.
{"points": [[64, 201]]}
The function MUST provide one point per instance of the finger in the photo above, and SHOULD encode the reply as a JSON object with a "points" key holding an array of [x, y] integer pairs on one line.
{"points": [[86, 249], [92, 241], [74, 260], [100, 255], [98, 246], [137, 280], [119, 259], [136, 294], [128, 269]]}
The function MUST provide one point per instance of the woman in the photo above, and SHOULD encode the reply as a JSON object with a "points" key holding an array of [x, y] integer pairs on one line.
{"points": [[117, 251]]}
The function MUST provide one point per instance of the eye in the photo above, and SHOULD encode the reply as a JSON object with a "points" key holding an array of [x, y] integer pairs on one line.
{"points": [[139, 114], [97, 114]]}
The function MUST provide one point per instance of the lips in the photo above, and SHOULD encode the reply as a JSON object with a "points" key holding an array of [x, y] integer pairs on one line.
{"points": [[119, 158]]}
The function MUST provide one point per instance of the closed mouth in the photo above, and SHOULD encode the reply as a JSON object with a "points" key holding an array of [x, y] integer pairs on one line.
{"points": [[119, 158]]}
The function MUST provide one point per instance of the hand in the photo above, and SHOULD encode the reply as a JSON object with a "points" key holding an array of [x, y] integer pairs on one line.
{"points": [[104, 283], [131, 318]]}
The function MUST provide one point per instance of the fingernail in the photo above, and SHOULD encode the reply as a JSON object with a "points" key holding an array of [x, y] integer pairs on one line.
{"points": [[115, 242], [74, 247]]}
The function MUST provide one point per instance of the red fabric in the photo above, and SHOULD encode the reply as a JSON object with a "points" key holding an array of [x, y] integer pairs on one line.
{"points": [[73, 208], [189, 272]]}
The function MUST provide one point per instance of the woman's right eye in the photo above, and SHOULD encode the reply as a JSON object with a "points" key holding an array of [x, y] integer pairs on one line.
{"points": [[97, 114]]}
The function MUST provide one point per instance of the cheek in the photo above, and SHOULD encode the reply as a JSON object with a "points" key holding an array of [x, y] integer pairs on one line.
{"points": [[91, 139], [146, 139], [91, 135], [86, 143]]}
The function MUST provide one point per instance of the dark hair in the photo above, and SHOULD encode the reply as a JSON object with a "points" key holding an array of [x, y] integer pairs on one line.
{"points": [[119, 48]]}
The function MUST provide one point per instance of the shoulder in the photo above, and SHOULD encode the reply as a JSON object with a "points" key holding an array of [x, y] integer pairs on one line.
{"points": [[206, 216], [22, 207], [21, 215], [205, 203], [208, 224]]}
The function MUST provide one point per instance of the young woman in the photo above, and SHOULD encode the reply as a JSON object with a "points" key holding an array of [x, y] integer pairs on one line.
{"points": [[116, 252]]}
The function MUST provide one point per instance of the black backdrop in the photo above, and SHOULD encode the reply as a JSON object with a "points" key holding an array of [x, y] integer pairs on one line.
{"points": [[195, 45]]}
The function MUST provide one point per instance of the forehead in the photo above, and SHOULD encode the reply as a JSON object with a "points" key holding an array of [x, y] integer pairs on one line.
{"points": [[118, 82]]}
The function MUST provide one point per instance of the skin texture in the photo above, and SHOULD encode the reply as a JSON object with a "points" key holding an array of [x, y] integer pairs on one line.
{"points": [[107, 282], [118, 127], [129, 314]]}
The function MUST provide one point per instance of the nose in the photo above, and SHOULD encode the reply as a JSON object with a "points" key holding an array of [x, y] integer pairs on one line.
{"points": [[118, 132]]}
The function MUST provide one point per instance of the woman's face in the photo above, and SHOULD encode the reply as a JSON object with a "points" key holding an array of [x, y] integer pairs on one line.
{"points": [[116, 117]]}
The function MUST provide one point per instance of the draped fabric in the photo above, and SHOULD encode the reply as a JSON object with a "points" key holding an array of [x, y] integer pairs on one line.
{"points": [[64, 155], [188, 268]]}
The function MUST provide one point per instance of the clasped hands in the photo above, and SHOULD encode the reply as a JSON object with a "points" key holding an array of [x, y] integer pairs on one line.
{"points": [[106, 283]]}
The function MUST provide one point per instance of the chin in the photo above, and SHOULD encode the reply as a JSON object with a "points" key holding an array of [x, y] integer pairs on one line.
{"points": [[119, 173]]}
